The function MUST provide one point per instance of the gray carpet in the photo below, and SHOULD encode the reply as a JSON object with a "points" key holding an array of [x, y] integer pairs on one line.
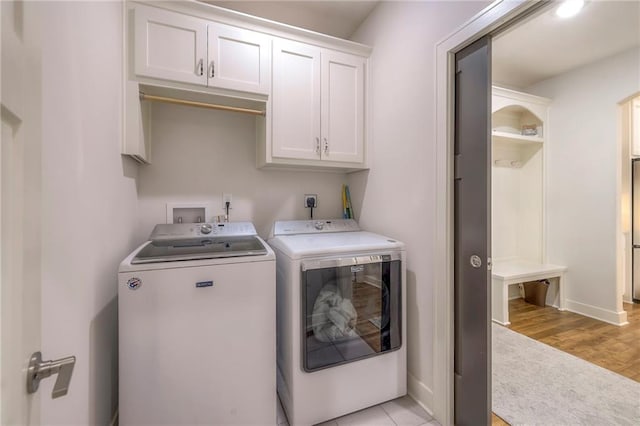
{"points": [[535, 384]]}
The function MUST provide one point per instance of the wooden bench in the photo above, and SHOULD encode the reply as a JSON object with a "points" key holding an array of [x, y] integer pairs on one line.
{"points": [[506, 273]]}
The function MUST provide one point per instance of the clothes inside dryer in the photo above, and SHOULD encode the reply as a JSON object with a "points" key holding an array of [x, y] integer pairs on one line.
{"points": [[350, 312]]}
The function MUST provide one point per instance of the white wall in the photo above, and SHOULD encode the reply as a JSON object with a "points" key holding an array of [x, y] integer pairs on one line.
{"points": [[582, 176], [397, 196], [88, 207], [198, 154]]}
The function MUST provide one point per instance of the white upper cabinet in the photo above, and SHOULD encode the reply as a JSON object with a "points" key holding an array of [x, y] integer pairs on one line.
{"points": [[296, 100], [170, 46], [307, 90], [239, 59], [342, 107], [318, 106], [176, 47]]}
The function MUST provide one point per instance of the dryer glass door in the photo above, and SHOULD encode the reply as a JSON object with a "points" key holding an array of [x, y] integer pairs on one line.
{"points": [[351, 309]]}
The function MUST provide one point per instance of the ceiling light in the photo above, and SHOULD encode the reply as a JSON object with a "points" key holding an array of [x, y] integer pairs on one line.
{"points": [[569, 8]]}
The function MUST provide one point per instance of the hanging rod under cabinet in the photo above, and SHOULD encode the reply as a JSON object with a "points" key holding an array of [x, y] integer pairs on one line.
{"points": [[145, 97]]}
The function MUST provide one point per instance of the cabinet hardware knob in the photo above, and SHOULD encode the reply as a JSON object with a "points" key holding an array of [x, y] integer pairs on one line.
{"points": [[317, 145], [326, 145], [212, 68]]}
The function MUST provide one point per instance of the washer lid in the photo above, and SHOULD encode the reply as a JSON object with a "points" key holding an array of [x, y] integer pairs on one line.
{"points": [[306, 245], [170, 250], [175, 231]]}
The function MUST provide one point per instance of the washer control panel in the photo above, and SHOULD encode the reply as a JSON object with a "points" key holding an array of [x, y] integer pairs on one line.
{"points": [[175, 231], [292, 227]]}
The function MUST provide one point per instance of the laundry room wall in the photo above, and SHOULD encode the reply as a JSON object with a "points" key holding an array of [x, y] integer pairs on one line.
{"points": [[397, 196], [199, 154], [582, 160], [88, 201]]}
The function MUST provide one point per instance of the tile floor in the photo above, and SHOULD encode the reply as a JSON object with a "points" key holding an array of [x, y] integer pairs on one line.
{"points": [[399, 412]]}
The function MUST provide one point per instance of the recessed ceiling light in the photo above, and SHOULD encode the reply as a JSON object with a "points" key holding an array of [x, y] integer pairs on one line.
{"points": [[569, 8]]}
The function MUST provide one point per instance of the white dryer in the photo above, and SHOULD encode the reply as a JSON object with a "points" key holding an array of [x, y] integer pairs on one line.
{"points": [[341, 318], [196, 310]]}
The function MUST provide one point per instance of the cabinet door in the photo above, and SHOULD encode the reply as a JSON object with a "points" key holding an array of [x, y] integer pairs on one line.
{"points": [[170, 46], [342, 107], [239, 59], [296, 101]]}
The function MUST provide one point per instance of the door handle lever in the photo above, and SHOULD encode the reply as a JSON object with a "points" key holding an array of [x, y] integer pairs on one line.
{"points": [[39, 370]]}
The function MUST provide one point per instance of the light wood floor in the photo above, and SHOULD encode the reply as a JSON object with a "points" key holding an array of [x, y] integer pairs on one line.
{"points": [[616, 348], [497, 421]]}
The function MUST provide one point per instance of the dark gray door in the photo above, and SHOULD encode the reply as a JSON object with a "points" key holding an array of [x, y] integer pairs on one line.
{"points": [[472, 221]]}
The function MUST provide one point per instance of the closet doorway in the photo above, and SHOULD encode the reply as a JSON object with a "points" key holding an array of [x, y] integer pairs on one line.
{"points": [[561, 186], [506, 18], [560, 167]]}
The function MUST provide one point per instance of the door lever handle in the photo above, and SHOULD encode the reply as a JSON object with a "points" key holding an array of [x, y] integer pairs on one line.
{"points": [[39, 370]]}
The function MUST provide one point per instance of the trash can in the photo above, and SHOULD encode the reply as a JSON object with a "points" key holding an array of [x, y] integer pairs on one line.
{"points": [[535, 292]]}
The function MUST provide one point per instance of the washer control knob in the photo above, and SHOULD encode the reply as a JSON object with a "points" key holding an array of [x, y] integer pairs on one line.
{"points": [[206, 228], [319, 225]]}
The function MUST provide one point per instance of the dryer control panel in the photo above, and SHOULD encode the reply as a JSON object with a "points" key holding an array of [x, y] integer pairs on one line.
{"points": [[175, 231], [293, 227]]}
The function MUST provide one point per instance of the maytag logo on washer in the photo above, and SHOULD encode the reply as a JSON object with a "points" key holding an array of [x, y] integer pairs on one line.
{"points": [[134, 283]]}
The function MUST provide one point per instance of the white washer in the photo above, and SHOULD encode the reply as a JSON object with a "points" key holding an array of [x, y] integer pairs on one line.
{"points": [[341, 318], [196, 308]]}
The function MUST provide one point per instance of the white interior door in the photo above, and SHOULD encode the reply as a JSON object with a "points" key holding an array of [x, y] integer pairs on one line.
{"points": [[19, 220]]}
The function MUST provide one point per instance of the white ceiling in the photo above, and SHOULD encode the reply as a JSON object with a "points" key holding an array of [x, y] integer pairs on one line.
{"points": [[532, 51], [337, 18], [546, 45]]}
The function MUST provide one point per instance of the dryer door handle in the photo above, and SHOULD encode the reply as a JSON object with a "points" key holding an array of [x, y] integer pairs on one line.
{"points": [[349, 261]]}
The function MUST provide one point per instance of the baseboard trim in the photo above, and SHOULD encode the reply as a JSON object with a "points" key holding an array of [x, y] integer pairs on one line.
{"points": [[420, 393], [611, 317]]}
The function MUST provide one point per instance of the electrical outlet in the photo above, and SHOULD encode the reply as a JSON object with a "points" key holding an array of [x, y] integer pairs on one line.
{"points": [[226, 198], [310, 200]]}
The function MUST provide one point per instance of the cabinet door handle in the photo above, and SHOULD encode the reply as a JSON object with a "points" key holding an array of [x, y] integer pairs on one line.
{"points": [[212, 68], [200, 67], [326, 146], [317, 145]]}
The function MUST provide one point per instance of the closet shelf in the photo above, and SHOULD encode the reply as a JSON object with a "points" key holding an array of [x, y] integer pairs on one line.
{"points": [[514, 138]]}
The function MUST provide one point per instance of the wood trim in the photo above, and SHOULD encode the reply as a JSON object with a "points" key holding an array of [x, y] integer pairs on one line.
{"points": [[595, 312], [145, 97], [520, 96], [420, 393]]}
